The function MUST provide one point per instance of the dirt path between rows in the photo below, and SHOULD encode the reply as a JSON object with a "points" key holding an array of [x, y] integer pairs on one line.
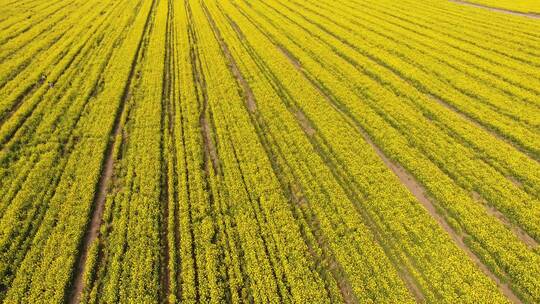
{"points": [[478, 125], [166, 121], [304, 123], [98, 204], [326, 258], [297, 197], [210, 154], [499, 10], [403, 273], [291, 58], [418, 192], [97, 214], [95, 223], [520, 233], [249, 98]]}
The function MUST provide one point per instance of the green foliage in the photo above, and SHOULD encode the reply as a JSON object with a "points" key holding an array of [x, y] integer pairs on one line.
{"points": [[265, 152]]}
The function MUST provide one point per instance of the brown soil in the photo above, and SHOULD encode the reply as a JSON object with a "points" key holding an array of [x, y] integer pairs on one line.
{"points": [[419, 193], [165, 275], [209, 148], [520, 233], [305, 123], [248, 93], [291, 58], [95, 223], [327, 258], [499, 10], [403, 273], [296, 193], [514, 181], [92, 232], [210, 153], [237, 29], [478, 125], [250, 99], [166, 121]]}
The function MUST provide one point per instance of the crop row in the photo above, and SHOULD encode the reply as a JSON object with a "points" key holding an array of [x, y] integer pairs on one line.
{"points": [[269, 151], [43, 272], [336, 150], [401, 89], [526, 6], [427, 79], [358, 112], [127, 257], [30, 186]]}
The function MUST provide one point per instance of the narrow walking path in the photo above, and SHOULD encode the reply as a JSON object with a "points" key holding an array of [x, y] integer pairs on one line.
{"points": [[102, 187], [499, 10]]}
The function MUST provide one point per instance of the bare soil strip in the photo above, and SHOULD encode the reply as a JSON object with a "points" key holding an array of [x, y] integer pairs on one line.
{"points": [[478, 125], [192, 40], [327, 258], [409, 281], [305, 123], [248, 93], [404, 274], [165, 124], [291, 58], [209, 148], [499, 10], [97, 213], [514, 181], [210, 154], [250, 103], [165, 274], [98, 204], [419, 193], [520, 233], [299, 199], [171, 113]]}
